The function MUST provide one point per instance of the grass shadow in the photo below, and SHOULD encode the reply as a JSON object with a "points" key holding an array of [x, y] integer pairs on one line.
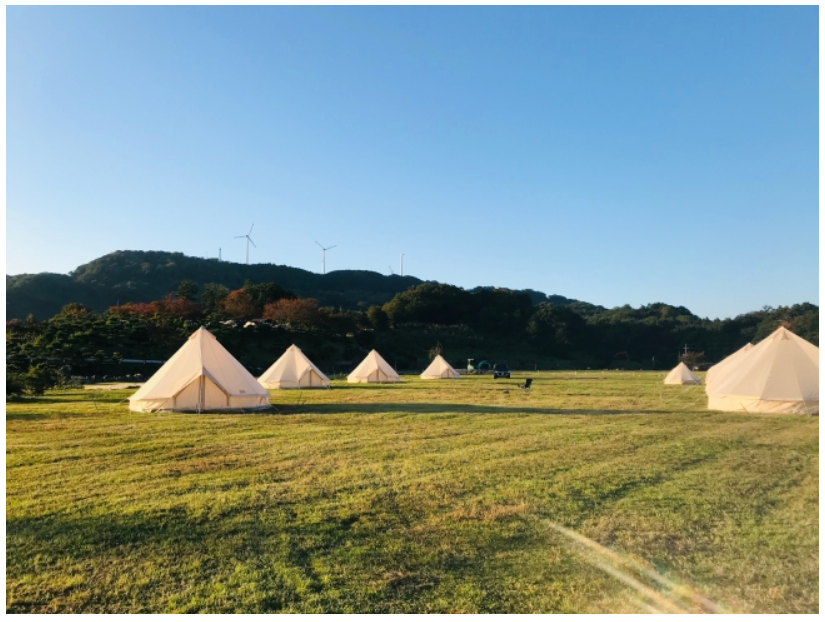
{"points": [[89, 411], [278, 555], [419, 408]]}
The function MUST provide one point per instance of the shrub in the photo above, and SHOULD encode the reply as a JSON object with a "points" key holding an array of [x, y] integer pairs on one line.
{"points": [[36, 381], [14, 384]]}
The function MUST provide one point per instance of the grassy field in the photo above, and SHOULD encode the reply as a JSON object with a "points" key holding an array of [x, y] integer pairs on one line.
{"points": [[594, 492]]}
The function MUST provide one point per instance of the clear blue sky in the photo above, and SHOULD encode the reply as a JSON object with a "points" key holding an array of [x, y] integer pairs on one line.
{"points": [[614, 155]]}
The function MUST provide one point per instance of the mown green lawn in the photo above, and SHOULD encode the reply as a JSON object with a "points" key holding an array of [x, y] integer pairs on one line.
{"points": [[450, 496]]}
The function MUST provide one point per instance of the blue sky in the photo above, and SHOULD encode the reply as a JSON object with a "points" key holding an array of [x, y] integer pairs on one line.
{"points": [[610, 154]]}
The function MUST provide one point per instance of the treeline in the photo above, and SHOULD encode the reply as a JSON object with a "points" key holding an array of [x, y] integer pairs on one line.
{"points": [[650, 336], [258, 321], [81, 342]]}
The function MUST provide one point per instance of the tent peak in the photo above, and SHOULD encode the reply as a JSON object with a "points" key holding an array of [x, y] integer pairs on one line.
{"points": [[781, 333], [200, 332]]}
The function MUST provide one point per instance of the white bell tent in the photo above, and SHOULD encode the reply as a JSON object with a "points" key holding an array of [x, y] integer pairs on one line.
{"points": [[294, 371], [373, 369], [440, 369], [780, 374], [681, 375], [200, 376]]}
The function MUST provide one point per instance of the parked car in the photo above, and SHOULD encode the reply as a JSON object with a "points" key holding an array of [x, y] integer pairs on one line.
{"points": [[500, 370]]}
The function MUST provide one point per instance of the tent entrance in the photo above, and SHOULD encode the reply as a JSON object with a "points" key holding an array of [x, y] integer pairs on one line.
{"points": [[201, 394], [310, 379]]}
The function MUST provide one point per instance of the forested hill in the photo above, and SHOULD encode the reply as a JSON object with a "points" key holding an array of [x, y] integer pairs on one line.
{"points": [[143, 276]]}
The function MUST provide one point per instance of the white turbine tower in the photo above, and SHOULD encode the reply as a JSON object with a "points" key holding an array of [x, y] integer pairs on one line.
{"points": [[324, 255], [248, 240], [402, 264]]}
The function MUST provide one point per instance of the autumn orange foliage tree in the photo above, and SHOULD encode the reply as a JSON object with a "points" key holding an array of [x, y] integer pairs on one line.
{"points": [[167, 306], [239, 305], [295, 312]]}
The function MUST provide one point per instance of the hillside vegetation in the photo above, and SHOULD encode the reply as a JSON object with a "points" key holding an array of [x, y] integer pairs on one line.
{"points": [[450, 496], [143, 276], [496, 325]]}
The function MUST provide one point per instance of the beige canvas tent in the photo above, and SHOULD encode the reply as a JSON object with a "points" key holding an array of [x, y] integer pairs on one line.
{"points": [[294, 371], [200, 376], [440, 369], [718, 370], [681, 375], [780, 374], [373, 369]]}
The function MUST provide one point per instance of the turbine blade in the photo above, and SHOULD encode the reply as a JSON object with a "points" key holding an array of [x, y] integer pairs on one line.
{"points": [[239, 236], [250, 228], [318, 244], [333, 246], [253, 243]]}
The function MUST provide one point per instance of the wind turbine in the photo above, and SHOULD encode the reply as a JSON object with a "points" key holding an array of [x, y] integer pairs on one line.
{"points": [[402, 264], [248, 240], [324, 255]]}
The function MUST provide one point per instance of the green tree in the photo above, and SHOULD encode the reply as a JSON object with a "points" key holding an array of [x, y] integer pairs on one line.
{"points": [[378, 317], [187, 290], [36, 381], [266, 293], [431, 303], [556, 330], [213, 294], [15, 383], [500, 311]]}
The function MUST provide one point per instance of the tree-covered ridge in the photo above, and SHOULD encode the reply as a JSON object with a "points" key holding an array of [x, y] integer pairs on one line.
{"points": [[144, 276]]}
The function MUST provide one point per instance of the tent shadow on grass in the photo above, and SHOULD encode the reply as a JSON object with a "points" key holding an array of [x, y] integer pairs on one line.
{"points": [[358, 408], [419, 408]]}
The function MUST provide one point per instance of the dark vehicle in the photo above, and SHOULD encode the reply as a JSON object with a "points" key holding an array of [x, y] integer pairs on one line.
{"points": [[500, 370]]}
